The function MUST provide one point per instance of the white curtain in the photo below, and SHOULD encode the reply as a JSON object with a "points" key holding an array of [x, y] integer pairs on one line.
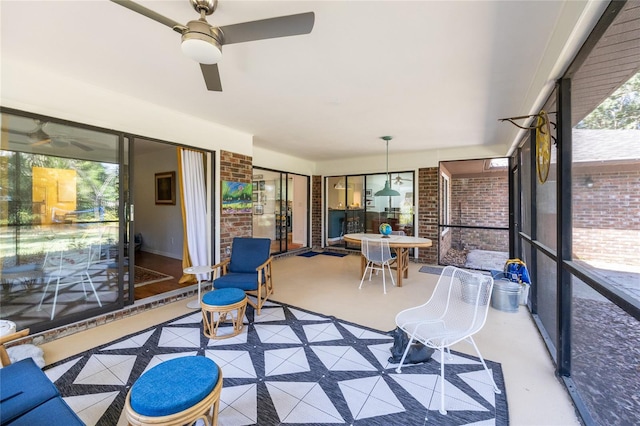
{"points": [[194, 193]]}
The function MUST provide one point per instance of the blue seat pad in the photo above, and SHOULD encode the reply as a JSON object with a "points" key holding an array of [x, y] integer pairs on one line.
{"points": [[243, 281], [54, 411], [223, 297], [174, 386], [23, 386]]}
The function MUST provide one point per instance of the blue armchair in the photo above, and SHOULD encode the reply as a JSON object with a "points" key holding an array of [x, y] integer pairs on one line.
{"points": [[248, 269]]}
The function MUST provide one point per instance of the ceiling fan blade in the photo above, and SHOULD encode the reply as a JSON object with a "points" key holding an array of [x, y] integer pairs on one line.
{"points": [[81, 145], [16, 132], [148, 13], [282, 26], [211, 77]]}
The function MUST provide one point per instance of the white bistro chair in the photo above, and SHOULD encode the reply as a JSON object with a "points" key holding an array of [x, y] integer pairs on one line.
{"points": [[456, 311], [378, 256], [68, 268]]}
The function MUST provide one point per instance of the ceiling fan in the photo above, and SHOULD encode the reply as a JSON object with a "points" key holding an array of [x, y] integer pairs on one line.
{"points": [[203, 42], [398, 180], [38, 136]]}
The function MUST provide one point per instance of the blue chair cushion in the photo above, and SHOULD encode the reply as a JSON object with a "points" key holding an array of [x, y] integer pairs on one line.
{"points": [[174, 386], [243, 281], [248, 253], [53, 411], [223, 297], [23, 387]]}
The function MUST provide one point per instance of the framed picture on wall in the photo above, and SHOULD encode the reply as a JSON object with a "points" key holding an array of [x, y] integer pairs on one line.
{"points": [[368, 193], [166, 188]]}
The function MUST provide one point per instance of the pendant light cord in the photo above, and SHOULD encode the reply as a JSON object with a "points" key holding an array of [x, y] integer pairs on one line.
{"points": [[388, 163]]}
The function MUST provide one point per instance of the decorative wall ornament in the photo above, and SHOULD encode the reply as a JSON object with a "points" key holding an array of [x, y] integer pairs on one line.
{"points": [[543, 140], [543, 146]]}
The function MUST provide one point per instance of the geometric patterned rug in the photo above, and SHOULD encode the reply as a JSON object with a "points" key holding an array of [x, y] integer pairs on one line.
{"points": [[288, 366]]}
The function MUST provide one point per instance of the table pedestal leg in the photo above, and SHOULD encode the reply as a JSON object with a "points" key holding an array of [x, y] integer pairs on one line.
{"points": [[402, 264], [195, 304], [399, 266]]}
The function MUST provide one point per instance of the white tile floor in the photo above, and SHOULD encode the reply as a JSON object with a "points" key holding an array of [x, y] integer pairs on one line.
{"points": [[328, 285]]}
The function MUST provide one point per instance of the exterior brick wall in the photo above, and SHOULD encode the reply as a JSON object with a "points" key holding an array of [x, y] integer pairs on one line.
{"points": [[316, 211], [480, 201], [235, 168], [428, 213], [606, 216]]}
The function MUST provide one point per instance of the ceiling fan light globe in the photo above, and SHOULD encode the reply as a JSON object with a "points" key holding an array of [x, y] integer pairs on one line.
{"points": [[201, 48]]}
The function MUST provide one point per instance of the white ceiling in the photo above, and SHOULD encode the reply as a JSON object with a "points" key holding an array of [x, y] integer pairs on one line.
{"points": [[433, 74]]}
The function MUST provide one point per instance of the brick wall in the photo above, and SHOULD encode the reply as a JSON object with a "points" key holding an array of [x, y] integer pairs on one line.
{"points": [[428, 213], [316, 211], [480, 201], [606, 216], [235, 168], [445, 243]]}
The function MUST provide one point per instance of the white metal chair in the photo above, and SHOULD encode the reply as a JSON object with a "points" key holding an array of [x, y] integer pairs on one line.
{"points": [[378, 256], [68, 268], [456, 311]]}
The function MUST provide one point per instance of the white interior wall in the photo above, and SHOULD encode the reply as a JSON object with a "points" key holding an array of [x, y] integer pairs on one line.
{"points": [[263, 158], [160, 225], [29, 88]]}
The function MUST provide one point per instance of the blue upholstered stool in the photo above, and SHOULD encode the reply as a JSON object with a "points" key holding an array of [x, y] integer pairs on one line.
{"points": [[176, 392], [224, 305]]}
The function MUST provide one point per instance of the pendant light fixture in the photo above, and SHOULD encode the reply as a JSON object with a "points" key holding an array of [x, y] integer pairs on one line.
{"points": [[387, 191]]}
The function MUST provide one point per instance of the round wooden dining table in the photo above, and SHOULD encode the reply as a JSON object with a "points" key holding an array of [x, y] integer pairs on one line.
{"points": [[400, 243]]}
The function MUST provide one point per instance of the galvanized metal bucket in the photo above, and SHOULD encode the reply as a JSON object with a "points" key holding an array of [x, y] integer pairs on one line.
{"points": [[506, 296]]}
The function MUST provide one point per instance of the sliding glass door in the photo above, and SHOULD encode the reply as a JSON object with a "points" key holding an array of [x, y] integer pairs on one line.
{"points": [[60, 216], [281, 209]]}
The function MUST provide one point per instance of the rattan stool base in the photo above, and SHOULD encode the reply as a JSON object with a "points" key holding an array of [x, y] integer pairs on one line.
{"points": [[214, 316]]}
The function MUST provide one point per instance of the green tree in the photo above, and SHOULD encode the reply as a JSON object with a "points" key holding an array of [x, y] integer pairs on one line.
{"points": [[621, 110], [97, 185]]}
